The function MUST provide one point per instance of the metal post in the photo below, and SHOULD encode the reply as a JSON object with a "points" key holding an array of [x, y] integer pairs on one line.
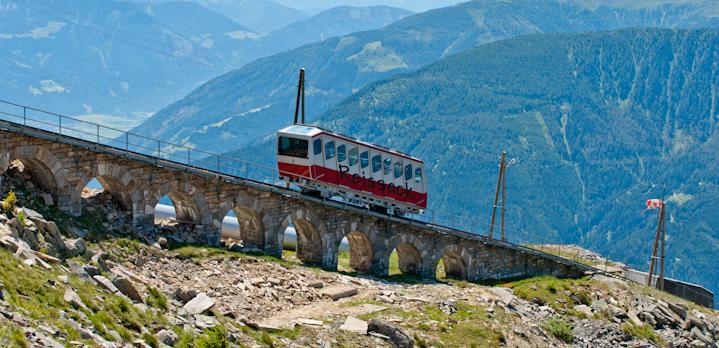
{"points": [[188, 156], [661, 268], [496, 195], [127, 141], [24, 116], [218, 164], [504, 185], [59, 118], [98, 134], [654, 248], [158, 149]]}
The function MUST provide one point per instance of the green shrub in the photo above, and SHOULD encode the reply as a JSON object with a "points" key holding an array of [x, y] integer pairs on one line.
{"points": [[21, 219], [642, 331], [213, 338], [11, 336], [8, 204], [560, 328], [157, 299]]}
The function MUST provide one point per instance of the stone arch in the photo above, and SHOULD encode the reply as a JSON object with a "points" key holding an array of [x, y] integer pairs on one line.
{"points": [[250, 214], [42, 165], [310, 230], [456, 261], [116, 181], [190, 204], [408, 248], [361, 249]]}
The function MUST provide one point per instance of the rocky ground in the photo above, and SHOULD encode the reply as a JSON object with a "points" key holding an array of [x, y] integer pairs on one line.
{"points": [[91, 281]]}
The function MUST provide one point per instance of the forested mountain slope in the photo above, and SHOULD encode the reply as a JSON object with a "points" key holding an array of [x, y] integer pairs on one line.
{"points": [[598, 122], [257, 99]]}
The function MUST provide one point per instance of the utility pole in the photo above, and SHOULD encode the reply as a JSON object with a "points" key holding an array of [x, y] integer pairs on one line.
{"points": [[659, 236], [500, 186]]}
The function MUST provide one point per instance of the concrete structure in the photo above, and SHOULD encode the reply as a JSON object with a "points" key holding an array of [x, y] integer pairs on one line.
{"points": [[63, 166]]}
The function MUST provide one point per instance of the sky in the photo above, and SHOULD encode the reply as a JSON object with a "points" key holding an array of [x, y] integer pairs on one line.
{"points": [[414, 5]]}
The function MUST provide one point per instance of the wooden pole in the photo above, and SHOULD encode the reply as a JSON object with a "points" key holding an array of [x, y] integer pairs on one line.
{"points": [[496, 194], [654, 248], [664, 229], [504, 180]]}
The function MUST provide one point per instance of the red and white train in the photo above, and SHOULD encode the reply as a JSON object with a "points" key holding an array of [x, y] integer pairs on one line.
{"points": [[331, 164]]}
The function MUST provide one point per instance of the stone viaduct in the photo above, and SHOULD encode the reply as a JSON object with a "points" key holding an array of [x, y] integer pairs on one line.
{"points": [[64, 165]]}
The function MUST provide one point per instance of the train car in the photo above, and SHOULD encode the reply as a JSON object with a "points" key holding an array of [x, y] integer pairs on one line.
{"points": [[330, 164]]}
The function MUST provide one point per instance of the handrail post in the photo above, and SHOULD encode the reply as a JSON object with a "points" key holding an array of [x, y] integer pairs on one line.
{"points": [[24, 116], [188, 156], [98, 134], [127, 141], [247, 176], [59, 118], [158, 149], [218, 163]]}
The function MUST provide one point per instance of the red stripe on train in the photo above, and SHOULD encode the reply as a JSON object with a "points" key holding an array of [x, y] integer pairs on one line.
{"points": [[356, 183]]}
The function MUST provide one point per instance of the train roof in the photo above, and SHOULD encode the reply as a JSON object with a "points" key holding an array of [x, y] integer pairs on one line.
{"points": [[312, 131]]}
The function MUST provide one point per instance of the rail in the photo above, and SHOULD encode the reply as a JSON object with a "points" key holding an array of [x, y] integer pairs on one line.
{"points": [[131, 144]]}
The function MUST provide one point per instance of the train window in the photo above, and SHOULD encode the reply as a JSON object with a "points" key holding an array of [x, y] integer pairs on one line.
{"points": [[408, 172], [398, 169], [364, 159], [293, 147], [318, 146], [418, 175], [330, 150], [341, 153], [376, 163], [387, 166], [354, 156]]}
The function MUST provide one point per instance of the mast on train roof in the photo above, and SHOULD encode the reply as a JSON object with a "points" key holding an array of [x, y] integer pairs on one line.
{"points": [[300, 96]]}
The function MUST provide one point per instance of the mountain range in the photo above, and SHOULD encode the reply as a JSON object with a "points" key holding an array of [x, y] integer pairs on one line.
{"points": [[257, 99], [117, 62], [597, 122]]}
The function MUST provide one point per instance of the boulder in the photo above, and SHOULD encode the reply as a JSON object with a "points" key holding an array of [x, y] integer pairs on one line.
{"points": [[400, 338], [31, 214], [355, 325], [75, 247], [199, 304], [317, 284], [205, 322], [163, 242], [584, 309], [91, 270], [309, 322], [99, 260], [55, 238], [128, 289], [678, 309], [505, 295], [337, 292], [72, 298], [185, 294], [77, 269], [167, 337], [106, 283]]}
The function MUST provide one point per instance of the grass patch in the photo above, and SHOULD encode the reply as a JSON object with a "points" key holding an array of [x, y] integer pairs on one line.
{"points": [[157, 299], [560, 294], [12, 336], [343, 262], [394, 264], [559, 328], [469, 326], [643, 332]]}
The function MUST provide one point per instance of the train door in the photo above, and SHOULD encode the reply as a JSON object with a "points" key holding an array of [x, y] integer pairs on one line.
{"points": [[353, 163], [376, 172], [330, 158], [317, 160]]}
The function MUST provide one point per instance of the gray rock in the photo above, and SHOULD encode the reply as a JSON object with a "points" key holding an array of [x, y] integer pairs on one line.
{"points": [[678, 309], [185, 294], [72, 298], [337, 292], [698, 334], [128, 289], [75, 247], [91, 270], [47, 198], [163, 242], [584, 309], [78, 270], [505, 295], [31, 214], [317, 285], [355, 325], [167, 337], [400, 338], [99, 260], [106, 283], [205, 322], [55, 239], [199, 304]]}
